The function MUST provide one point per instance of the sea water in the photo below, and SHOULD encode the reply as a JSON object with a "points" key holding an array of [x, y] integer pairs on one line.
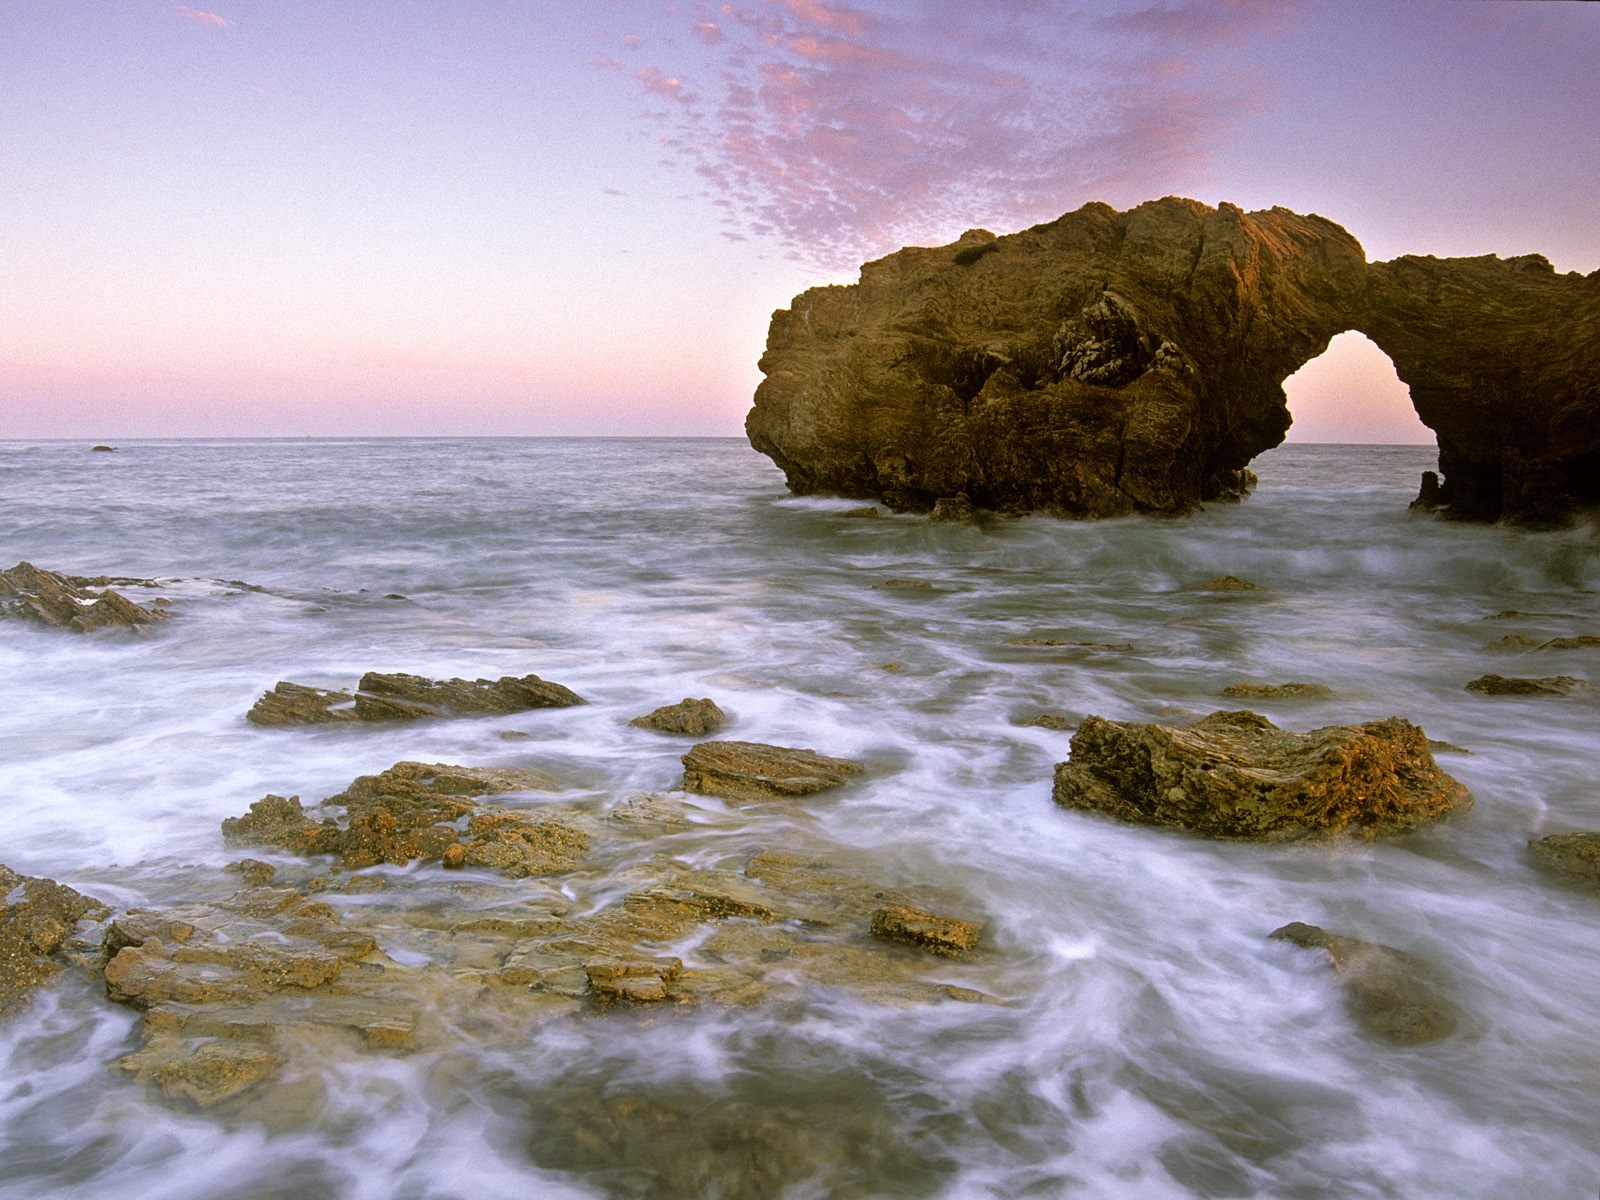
{"points": [[1149, 1039]]}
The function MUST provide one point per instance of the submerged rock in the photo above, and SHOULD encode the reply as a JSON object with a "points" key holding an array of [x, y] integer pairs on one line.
{"points": [[38, 918], [1237, 775], [1575, 855], [78, 605], [401, 697], [694, 717], [751, 770], [1276, 691], [1501, 685], [950, 936], [1225, 583], [1391, 994]]}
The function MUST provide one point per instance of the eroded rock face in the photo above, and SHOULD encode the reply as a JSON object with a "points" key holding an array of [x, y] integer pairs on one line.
{"points": [[1392, 995], [30, 593], [37, 919], [1115, 362], [689, 716], [401, 697], [1237, 775]]}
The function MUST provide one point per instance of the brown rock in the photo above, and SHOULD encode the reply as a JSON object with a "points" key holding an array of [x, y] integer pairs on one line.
{"points": [[1226, 583], [952, 508], [640, 981], [1237, 775], [1576, 855], [37, 919], [1113, 362], [750, 770], [29, 593], [867, 510], [1060, 722], [1276, 691], [949, 936], [296, 704], [1501, 685], [688, 716], [1392, 995], [400, 697]]}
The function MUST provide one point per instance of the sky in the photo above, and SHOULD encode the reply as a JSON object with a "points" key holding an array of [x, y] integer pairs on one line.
{"points": [[520, 217]]}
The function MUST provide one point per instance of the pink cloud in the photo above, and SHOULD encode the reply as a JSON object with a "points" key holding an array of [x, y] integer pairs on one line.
{"points": [[203, 17], [708, 32], [842, 136]]}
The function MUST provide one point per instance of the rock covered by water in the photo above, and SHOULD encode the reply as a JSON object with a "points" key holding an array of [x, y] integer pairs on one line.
{"points": [[1114, 362], [1391, 995], [1514, 685], [38, 918], [1237, 775], [1574, 855], [401, 697], [752, 770], [69, 602]]}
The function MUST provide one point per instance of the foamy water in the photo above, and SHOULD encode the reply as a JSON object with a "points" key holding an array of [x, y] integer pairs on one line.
{"points": [[1152, 1042]]}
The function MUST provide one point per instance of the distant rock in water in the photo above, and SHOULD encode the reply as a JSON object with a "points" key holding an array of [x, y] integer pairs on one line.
{"points": [[1276, 691], [68, 602], [1391, 994], [104, 449], [401, 697], [1117, 362], [1575, 855], [689, 716], [1553, 685], [1237, 775]]}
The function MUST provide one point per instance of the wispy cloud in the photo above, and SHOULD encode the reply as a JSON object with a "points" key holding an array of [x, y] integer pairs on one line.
{"points": [[202, 16], [843, 131]]}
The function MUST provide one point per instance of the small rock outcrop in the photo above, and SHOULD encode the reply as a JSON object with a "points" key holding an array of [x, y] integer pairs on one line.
{"points": [[69, 602], [1237, 775], [1510, 685], [38, 917], [1116, 362], [753, 771], [688, 716], [401, 697], [1391, 995], [1575, 855], [1276, 691], [949, 936]]}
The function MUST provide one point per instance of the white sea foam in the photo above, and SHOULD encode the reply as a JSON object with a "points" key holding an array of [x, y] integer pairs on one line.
{"points": [[1149, 1041]]}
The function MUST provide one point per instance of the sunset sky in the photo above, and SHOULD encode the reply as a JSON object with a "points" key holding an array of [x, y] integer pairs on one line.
{"points": [[282, 218]]}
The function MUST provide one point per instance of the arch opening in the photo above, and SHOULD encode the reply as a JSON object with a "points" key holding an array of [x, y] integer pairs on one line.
{"points": [[1350, 394]]}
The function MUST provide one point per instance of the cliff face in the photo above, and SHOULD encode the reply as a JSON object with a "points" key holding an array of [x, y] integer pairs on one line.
{"points": [[1108, 362]]}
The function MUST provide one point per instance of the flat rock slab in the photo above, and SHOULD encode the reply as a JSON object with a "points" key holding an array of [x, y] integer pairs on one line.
{"points": [[1237, 775], [688, 716], [401, 697], [949, 936], [29, 593], [1276, 691], [751, 770], [1391, 994], [1503, 685], [1575, 855]]}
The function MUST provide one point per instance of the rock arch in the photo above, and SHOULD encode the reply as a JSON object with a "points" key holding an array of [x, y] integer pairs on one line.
{"points": [[1114, 362]]}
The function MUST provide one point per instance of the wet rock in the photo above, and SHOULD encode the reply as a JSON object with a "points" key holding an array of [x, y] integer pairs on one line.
{"points": [[1575, 855], [640, 981], [1392, 995], [1237, 775], [1276, 691], [401, 697], [104, 449], [689, 716], [415, 811], [1226, 583], [952, 508], [1581, 642], [949, 936], [29, 593], [1501, 685], [867, 511], [751, 770], [1060, 722], [38, 919], [905, 585]]}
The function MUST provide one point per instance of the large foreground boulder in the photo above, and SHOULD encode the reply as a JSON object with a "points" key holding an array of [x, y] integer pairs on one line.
{"points": [[37, 918], [1237, 775], [1115, 362]]}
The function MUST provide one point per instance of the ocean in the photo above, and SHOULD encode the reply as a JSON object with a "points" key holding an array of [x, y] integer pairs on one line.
{"points": [[1126, 1028]]}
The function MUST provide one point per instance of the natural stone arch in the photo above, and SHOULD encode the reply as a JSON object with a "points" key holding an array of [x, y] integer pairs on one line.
{"points": [[1108, 362]]}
